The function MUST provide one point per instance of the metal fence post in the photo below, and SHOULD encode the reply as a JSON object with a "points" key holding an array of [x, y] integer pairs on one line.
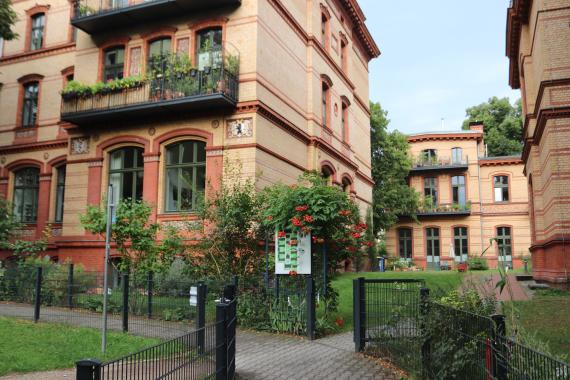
{"points": [[359, 304], [426, 343], [221, 341], [201, 316], [276, 286], [500, 367], [38, 294], [70, 287], [310, 288], [125, 311], [88, 369], [229, 292], [149, 295]]}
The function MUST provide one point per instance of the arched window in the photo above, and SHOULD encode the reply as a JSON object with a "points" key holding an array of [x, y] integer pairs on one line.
{"points": [[26, 187], [59, 194], [325, 105], [327, 174], [346, 185], [433, 247], [344, 122], [460, 243], [126, 173], [209, 48], [325, 30], [114, 63], [30, 104], [185, 175], [37, 31], [343, 55], [157, 52]]}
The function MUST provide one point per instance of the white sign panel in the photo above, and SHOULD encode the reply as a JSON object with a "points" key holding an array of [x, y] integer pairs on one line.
{"points": [[292, 252]]}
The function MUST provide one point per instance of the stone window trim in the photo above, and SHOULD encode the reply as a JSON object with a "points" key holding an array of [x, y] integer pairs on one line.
{"points": [[509, 186], [328, 169], [65, 73], [23, 81], [18, 165], [30, 13], [399, 241], [348, 182], [108, 44], [325, 29]]}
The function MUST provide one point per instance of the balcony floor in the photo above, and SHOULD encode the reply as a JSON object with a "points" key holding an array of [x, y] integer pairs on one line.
{"points": [[434, 168], [145, 110], [144, 11]]}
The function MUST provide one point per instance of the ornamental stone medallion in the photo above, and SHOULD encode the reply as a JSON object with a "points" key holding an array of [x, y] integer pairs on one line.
{"points": [[79, 145], [240, 128]]}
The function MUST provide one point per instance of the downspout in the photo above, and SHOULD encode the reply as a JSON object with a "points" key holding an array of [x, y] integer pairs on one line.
{"points": [[480, 202]]}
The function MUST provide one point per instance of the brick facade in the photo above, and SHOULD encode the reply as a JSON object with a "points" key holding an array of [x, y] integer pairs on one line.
{"points": [[282, 62], [482, 215], [538, 47]]}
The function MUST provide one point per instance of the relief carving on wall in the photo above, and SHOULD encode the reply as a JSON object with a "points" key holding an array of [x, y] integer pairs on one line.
{"points": [[79, 145], [183, 45], [240, 128]]}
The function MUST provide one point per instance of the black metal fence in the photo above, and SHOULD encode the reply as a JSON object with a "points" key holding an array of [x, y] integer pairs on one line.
{"points": [[142, 305], [397, 320], [284, 304], [206, 352]]}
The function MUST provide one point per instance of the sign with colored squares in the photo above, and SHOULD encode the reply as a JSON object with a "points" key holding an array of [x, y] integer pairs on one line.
{"points": [[292, 252]]}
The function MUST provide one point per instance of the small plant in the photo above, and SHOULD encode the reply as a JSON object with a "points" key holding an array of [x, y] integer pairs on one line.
{"points": [[477, 263]]}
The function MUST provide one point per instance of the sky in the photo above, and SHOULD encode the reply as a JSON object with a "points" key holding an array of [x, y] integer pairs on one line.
{"points": [[438, 58]]}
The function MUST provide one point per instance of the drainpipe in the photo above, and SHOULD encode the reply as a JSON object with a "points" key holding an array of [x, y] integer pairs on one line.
{"points": [[480, 201]]}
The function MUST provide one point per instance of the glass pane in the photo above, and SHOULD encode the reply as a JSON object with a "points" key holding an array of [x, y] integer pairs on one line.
{"points": [[186, 184], [116, 180], [201, 178], [505, 193], [172, 153], [127, 186], [498, 195], [462, 196], [188, 152], [18, 203], [129, 158], [172, 190], [116, 160], [59, 204], [201, 149], [139, 185]]}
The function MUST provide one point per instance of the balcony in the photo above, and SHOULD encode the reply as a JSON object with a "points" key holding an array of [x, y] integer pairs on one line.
{"points": [[424, 165], [428, 209], [94, 16], [173, 91]]}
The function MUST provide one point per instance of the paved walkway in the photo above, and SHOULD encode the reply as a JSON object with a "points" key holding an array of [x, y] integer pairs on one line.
{"points": [[259, 355], [486, 285]]}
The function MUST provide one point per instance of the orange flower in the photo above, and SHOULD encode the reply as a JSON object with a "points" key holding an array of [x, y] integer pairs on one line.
{"points": [[281, 234], [296, 222], [308, 218], [292, 273], [339, 321], [270, 218], [302, 208]]}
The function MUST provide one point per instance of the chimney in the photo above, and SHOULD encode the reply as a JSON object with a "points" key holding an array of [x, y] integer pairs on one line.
{"points": [[476, 126]]}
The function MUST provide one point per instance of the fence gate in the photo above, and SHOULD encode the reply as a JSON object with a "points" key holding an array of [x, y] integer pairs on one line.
{"points": [[386, 318]]}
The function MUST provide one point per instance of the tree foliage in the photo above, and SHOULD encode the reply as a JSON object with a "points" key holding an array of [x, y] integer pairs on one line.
{"points": [[503, 125], [136, 238], [22, 249], [7, 19], [232, 229], [391, 164]]}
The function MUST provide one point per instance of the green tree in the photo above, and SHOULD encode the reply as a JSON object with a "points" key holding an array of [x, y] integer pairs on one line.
{"points": [[503, 125], [7, 19], [22, 249], [136, 238], [391, 164]]}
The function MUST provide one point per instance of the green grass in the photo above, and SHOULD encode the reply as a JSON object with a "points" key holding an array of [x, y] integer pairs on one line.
{"points": [[438, 281], [26, 346], [547, 317]]}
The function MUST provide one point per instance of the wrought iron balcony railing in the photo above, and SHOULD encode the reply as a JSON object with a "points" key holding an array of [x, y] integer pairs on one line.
{"points": [[214, 88], [454, 209], [94, 16], [440, 163]]}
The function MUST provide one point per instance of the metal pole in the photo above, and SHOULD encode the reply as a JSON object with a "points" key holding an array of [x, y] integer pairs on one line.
{"points": [[325, 274], [106, 269], [266, 259]]}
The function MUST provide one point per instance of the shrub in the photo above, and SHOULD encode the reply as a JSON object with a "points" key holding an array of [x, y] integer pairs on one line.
{"points": [[477, 263]]}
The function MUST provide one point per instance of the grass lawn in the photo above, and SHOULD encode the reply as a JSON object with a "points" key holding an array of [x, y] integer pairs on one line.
{"points": [[547, 316], [26, 346], [439, 281]]}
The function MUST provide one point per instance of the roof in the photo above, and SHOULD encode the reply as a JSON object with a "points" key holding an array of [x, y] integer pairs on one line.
{"points": [[360, 29], [445, 135], [501, 160]]}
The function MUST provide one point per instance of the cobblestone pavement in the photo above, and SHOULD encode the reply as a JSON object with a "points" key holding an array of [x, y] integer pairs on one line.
{"points": [[259, 355]]}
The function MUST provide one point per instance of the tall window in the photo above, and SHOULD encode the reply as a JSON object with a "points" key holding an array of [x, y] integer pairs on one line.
{"points": [[501, 187], [405, 243], [126, 173], [429, 155], [460, 243], [346, 185], [157, 52], [344, 122], [26, 186], [456, 155], [30, 104], [325, 105], [114, 63], [327, 174], [504, 243], [186, 175], [59, 194], [458, 189], [37, 32], [209, 48], [430, 189], [433, 247], [343, 56], [324, 29]]}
